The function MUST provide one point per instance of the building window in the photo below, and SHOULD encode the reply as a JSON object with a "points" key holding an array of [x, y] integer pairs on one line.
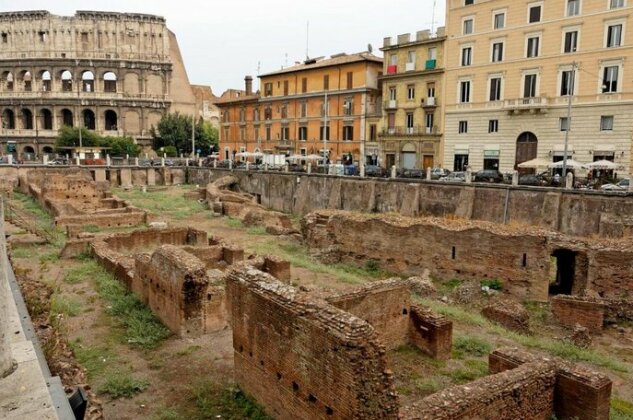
{"points": [[242, 115], [350, 80], [326, 82], [616, 4], [493, 126], [529, 85], [372, 132], [499, 20], [606, 123], [467, 56], [411, 92], [411, 59], [460, 162], [468, 26], [348, 133], [303, 133], [430, 90], [573, 7], [491, 159], [410, 122], [303, 109], [610, 79], [533, 46], [564, 124], [566, 83], [497, 52], [285, 133], [325, 133], [464, 91], [432, 53], [571, 42], [534, 13], [268, 89], [242, 134], [495, 89], [429, 118], [284, 112], [463, 127], [286, 90], [392, 93], [614, 35], [256, 114], [5, 38], [304, 85], [468, 2], [268, 133], [348, 107]]}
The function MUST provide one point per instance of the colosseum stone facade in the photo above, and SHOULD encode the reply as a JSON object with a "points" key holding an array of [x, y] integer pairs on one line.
{"points": [[115, 73]]}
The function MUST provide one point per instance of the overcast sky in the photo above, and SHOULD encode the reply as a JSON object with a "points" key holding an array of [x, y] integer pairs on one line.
{"points": [[221, 41]]}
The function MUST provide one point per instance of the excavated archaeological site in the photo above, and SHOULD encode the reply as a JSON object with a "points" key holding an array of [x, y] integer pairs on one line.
{"points": [[171, 293]]}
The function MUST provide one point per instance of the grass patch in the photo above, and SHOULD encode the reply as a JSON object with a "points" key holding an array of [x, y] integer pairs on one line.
{"points": [[119, 385], [90, 228], [141, 327], [539, 311], [621, 409], [493, 284], [215, 401], [256, 230], [96, 360], [163, 202], [233, 223], [52, 256], [554, 347], [22, 252], [189, 350], [64, 306], [471, 345], [473, 369], [429, 386], [79, 274], [43, 219]]}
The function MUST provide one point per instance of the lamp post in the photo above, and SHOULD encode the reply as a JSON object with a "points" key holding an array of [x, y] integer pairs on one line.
{"points": [[325, 128], [570, 96]]}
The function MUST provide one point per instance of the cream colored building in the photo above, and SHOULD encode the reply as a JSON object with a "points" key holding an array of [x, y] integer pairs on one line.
{"points": [[411, 130], [509, 71]]}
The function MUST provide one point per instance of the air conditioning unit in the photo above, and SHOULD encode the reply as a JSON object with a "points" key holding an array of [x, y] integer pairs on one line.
{"points": [[410, 66], [430, 101]]}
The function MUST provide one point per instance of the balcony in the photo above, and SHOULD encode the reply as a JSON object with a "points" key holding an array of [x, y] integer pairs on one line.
{"points": [[391, 104], [534, 104], [393, 69], [431, 101], [284, 144], [417, 130], [409, 67], [430, 64]]}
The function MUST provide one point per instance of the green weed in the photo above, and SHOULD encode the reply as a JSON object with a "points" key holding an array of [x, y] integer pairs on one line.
{"points": [[471, 345], [80, 273], [494, 284], [23, 252], [214, 401], [256, 230], [64, 306], [621, 409], [234, 223], [121, 384]]}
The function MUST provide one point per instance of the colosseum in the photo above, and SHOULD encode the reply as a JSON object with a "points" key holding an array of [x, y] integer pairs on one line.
{"points": [[115, 73]]}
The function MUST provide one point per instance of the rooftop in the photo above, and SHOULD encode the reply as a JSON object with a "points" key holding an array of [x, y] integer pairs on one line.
{"points": [[335, 60]]}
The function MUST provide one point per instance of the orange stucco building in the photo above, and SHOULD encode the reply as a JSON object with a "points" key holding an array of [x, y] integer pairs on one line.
{"points": [[288, 114]]}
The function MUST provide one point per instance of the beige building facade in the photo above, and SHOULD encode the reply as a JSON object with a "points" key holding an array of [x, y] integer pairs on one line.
{"points": [[410, 134], [114, 73], [510, 68]]}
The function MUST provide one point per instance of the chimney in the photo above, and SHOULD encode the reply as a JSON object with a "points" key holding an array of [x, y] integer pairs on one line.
{"points": [[248, 81]]}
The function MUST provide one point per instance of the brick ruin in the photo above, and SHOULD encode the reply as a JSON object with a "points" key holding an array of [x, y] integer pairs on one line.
{"points": [[307, 357], [75, 200], [224, 197], [525, 260]]}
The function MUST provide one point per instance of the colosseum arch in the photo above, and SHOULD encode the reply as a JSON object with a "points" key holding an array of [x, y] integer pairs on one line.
{"points": [[132, 122], [28, 152], [7, 81], [46, 119], [155, 85], [90, 122], [67, 117], [26, 81], [131, 84], [26, 119], [109, 82], [67, 80], [153, 119], [48, 150], [45, 77], [111, 120], [8, 119], [87, 81]]}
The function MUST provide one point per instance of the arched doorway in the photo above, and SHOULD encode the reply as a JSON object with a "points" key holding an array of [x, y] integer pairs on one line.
{"points": [[8, 119], [67, 117], [67, 81], [109, 82], [89, 119], [47, 119], [28, 153], [527, 145], [48, 150], [408, 160], [46, 81], [111, 120], [27, 119], [87, 81]]}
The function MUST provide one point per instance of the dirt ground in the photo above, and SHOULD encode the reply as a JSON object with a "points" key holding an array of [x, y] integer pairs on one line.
{"points": [[192, 378]]}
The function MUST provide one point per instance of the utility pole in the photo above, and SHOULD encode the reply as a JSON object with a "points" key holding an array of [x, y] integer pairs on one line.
{"points": [[325, 129], [570, 97]]}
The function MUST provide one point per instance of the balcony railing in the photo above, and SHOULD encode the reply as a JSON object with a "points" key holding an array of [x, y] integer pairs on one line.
{"points": [[430, 64], [430, 101], [526, 103], [81, 95], [391, 104], [417, 130], [393, 69]]}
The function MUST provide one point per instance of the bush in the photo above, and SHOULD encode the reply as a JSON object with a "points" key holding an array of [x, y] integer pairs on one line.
{"points": [[372, 266], [122, 385], [474, 346], [493, 284]]}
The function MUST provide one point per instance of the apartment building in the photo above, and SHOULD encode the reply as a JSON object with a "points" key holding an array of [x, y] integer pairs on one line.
{"points": [[511, 69], [412, 82], [320, 106]]}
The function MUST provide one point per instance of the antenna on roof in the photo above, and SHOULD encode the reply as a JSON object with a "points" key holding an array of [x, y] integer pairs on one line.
{"points": [[433, 18], [370, 49], [308, 40], [259, 67]]}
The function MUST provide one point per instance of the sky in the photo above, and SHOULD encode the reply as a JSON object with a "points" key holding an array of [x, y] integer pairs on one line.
{"points": [[222, 41]]}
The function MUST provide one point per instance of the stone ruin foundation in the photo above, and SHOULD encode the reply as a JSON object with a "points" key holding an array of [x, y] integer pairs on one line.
{"points": [[303, 356]]}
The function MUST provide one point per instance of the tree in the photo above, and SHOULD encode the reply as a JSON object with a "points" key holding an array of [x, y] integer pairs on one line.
{"points": [[122, 146], [175, 130], [69, 137]]}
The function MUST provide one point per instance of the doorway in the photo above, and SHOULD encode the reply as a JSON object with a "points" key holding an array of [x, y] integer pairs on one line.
{"points": [[427, 162], [526, 149], [562, 283]]}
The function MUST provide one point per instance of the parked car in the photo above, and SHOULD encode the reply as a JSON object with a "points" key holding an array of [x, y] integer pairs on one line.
{"points": [[437, 173], [56, 162], [454, 177], [623, 185], [375, 171], [488, 175], [534, 180], [412, 173]]}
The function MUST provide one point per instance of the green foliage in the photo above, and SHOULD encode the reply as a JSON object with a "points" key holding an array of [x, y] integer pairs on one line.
{"points": [[473, 369], [471, 345], [234, 223], [170, 151], [621, 409], [493, 284], [214, 401], [453, 284], [174, 130], [372, 266], [158, 202], [64, 306], [256, 230], [119, 146], [119, 384], [79, 274]]}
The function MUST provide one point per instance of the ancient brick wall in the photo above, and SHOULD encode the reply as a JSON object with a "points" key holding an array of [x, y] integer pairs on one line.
{"points": [[448, 249], [526, 392], [571, 310], [302, 358], [431, 333], [611, 272], [142, 239], [579, 393]]}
